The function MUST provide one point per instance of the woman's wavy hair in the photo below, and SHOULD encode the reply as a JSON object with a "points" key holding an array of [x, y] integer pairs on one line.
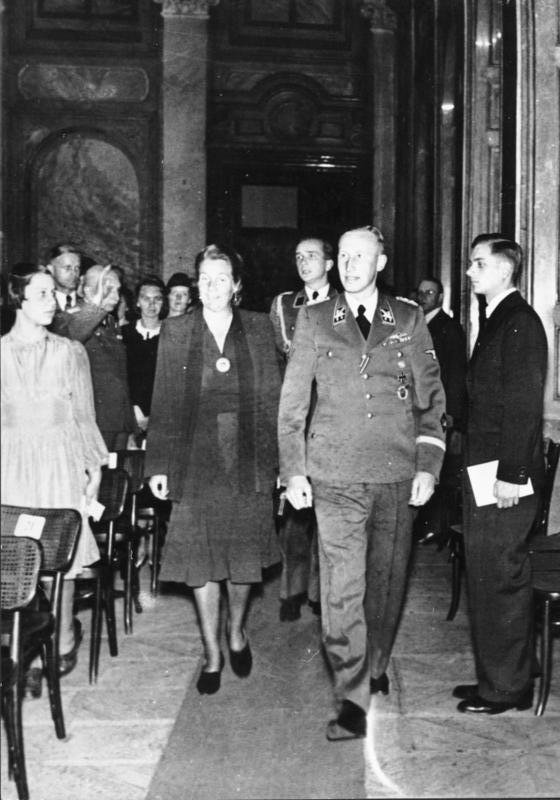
{"points": [[220, 252], [19, 278]]}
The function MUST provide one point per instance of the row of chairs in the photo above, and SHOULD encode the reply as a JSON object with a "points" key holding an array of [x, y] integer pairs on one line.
{"points": [[544, 552], [31, 623]]}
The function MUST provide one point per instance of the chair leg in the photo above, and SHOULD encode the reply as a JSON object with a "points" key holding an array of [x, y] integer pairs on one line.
{"points": [[155, 557], [96, 620], [128, 586], [546, 659], [50, 656], [14, 729], [109, 605]]}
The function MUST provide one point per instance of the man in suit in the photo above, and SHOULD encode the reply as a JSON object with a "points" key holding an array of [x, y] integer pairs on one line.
{"points": [[298, 528], [451, 351], [505, 386], [374, 447], [91, 323], [64, 264]]}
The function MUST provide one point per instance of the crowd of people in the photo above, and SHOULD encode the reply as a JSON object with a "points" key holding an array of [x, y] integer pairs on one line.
{"points": [[358, 406]]}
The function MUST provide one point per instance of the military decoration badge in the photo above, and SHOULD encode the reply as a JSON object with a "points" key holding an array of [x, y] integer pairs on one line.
{"points": [[339, 315]]}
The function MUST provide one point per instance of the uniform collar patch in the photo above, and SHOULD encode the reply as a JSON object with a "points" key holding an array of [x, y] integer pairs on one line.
{"points": [[339, 314], [299, 300], [386, 315]]}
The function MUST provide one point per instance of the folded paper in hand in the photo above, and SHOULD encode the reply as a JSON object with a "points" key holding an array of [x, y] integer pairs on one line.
{"points": [[483, 478]]}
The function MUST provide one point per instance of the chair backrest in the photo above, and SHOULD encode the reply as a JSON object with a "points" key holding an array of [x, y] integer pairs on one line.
{"points": [[552, 456], [19, 569], [132, 461], [112, 493], [59, 535]]}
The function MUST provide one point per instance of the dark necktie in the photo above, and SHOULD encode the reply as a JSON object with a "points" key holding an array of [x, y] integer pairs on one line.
{"points": [[315, 295], [68, 302], [363, 322]]}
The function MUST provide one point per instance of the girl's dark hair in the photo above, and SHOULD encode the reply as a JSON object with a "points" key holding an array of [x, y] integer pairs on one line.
{"points": [[18, 279], [152, 280]]}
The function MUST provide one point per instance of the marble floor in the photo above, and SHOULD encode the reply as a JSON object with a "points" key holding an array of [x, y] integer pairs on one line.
{"points": [[418, 745]]}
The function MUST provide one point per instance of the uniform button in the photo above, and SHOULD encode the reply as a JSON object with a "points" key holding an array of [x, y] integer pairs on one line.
{"points": [[312, 435], [401, 364], [329, 353], [370, 415], [292, 327], [399, 354], [365, 376], [368, 396]]}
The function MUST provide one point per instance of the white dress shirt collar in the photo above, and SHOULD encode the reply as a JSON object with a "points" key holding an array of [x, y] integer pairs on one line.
{"points": [[322, 294], [61, 298], [431, 314], [147, 333], [493, 304], [370, 304]]}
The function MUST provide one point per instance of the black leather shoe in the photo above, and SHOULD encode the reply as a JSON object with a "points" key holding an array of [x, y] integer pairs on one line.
{"points": [[350, 723], [465, 690], [380, 684], [209, 682], [241, 661], [68, 661], [290, 608], [478, 705]]}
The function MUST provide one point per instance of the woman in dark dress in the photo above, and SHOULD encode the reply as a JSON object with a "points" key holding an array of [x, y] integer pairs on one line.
{"points": [[141, 342], [212, 450]]}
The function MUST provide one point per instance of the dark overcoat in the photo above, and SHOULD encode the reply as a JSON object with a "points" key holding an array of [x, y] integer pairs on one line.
{"points": [[168, 433]]}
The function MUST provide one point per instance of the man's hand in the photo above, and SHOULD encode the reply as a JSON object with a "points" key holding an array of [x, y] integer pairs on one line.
{"points": [[507, 494], [423, 485], [299, 492], [158, 485], [93, 483], [101, 292]]}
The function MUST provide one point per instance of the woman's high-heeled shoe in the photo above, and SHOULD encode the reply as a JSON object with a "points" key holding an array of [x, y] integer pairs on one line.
{"points": [[209, 682], [241, 660]]}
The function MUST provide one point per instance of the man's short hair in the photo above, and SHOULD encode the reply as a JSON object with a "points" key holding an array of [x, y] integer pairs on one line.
{"points": [[433, 279], [328, 249], [371, 229], [58, 249], [502, 246]]}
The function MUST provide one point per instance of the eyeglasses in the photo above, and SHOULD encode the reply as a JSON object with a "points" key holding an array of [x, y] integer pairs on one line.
{"points": [[426, 292]]}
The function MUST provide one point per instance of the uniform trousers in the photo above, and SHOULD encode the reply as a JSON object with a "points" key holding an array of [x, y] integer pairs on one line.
{"points": [[365, 536], [300, 557], [500, 595]]}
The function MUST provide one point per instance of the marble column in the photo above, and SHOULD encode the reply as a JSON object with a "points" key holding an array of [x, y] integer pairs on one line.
{"points": [[185, 46], [383, 25]]}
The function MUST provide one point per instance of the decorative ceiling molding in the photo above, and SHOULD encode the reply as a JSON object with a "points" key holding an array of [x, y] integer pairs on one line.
{"points": [[199, 9], [380, 16]]}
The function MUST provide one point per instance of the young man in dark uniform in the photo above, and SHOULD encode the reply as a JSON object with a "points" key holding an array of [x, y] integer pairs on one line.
{"points": [[298, 528]]}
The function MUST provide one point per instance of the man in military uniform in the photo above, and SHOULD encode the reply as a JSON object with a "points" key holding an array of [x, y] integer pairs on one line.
{"points": [[374, 448], [298, 529]]}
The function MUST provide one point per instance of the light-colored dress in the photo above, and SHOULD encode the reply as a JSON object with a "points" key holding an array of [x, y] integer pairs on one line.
{"points": [[49, 434]]}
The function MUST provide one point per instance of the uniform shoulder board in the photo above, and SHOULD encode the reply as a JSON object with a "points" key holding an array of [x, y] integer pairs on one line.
{"points": [[407, 300]]}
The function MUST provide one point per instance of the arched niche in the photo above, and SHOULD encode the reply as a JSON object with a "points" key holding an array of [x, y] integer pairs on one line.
{"points": [[85, 190]]}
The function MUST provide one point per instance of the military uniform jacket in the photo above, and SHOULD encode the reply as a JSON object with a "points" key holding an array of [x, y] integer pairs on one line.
{"points": [[379, 415], [284, 313], [505, 385]]}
